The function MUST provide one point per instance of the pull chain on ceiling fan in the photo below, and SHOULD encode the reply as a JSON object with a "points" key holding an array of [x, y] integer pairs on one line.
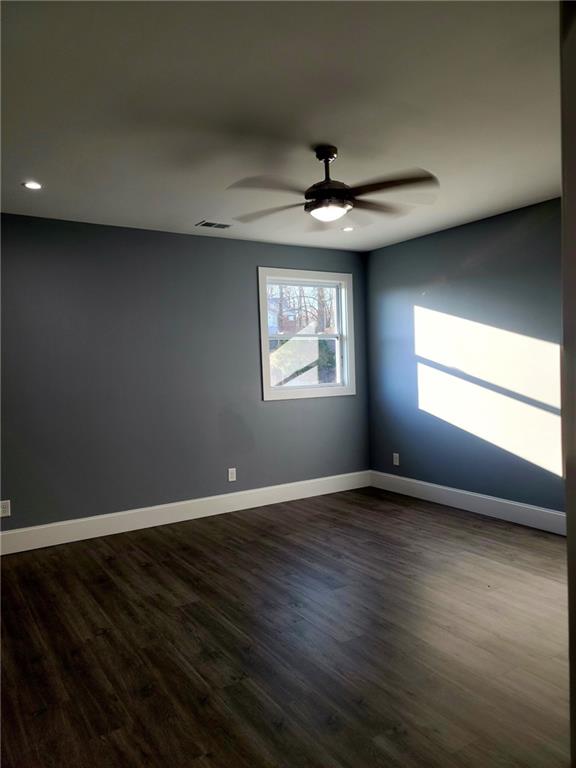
{"points": [[329, 200]]}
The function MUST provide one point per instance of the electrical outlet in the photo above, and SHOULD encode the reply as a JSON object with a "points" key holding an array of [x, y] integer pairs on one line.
{"points": [[5, 508], [396, 459], [231, 474]]}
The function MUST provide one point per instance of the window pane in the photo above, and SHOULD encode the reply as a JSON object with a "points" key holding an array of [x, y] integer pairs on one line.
{"points": [[304, 362], [302, 308]]}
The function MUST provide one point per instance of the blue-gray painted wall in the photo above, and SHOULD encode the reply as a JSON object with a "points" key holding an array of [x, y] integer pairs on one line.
{"points": [[131, 363], [131, 372], [503, 271]]}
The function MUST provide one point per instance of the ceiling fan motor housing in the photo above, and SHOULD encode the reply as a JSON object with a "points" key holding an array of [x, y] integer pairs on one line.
{"points": [[330, 188], [328, 194]]}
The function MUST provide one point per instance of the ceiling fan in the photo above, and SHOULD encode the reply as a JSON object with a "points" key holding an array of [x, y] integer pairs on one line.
{"points": [[329, 200]]}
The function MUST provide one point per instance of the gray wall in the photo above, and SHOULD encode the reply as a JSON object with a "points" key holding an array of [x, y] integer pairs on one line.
{"points": [[131, 368], [503, 271], [568, 61], [131, 365]]}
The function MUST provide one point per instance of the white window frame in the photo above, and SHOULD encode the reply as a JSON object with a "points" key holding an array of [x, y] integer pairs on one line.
{"points": [[346, 335]]}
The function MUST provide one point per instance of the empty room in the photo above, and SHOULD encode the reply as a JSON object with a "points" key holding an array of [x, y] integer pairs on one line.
{"points": [[288, 384]]}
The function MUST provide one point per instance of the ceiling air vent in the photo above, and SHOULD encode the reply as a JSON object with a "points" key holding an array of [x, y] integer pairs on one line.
{"points": [[213, 224]]}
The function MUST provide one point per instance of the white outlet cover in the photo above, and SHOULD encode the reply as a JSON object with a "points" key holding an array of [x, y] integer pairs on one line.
{"points": [[231, 474], [5, 508]]}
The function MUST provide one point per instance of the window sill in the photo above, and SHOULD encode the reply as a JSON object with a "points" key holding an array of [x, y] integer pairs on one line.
{"points": [[307, 392]]}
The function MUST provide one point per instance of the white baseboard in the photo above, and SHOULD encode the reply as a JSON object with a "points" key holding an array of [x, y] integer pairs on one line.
{"points": [[514, 512], [34, 537]]}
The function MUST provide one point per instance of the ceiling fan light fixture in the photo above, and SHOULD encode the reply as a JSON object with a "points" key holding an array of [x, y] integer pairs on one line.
{"points": [[328, 210]]}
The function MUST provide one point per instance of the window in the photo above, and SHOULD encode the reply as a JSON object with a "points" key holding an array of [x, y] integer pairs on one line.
{"points": [[307, 333]]}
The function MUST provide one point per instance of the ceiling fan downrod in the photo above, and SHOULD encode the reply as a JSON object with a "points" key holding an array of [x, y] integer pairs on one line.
{"points": [[326, 153]]}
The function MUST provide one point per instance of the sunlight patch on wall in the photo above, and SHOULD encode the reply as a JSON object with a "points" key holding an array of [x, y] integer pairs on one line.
{"points": [[526, 431], [521, 364]]}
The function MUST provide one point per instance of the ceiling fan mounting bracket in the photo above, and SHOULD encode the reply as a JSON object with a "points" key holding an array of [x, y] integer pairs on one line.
{"points": [[326, 152]]}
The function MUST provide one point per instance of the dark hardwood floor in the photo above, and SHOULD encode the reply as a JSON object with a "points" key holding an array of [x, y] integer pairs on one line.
{"points": [[355, 630]]}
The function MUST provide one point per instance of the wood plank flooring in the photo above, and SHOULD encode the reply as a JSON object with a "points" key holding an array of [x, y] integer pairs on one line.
{"points": [[356, 630]]}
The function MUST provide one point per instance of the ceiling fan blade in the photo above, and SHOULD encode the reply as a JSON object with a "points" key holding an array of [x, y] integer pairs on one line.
{"points": [[412, 178], [267, 182], [256, 215], [370, 205]]}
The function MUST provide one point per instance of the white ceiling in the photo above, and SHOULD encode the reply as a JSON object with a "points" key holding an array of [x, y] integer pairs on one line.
{"points": [[143, 114]]}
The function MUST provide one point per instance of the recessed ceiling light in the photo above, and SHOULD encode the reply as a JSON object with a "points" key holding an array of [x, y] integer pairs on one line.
{"points": [[31, 184], [348, 229]]}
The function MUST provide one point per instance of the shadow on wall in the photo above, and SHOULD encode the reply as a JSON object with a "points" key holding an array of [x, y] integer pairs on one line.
{"points": [[501, 386]]}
